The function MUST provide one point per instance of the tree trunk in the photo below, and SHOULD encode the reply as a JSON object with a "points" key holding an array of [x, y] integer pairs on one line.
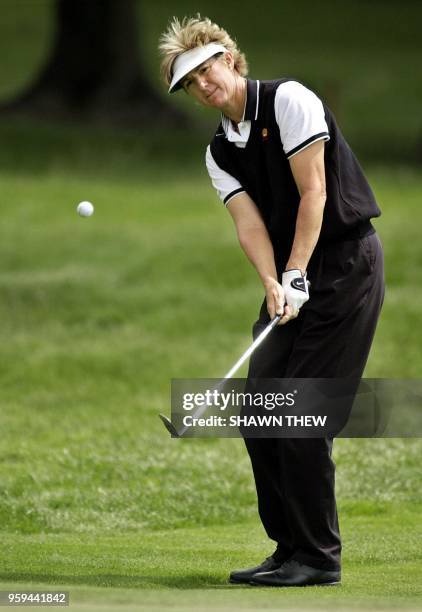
{"points": [[94, 69]]}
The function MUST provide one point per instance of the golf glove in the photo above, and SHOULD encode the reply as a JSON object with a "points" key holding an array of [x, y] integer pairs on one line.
{"points": [[296, 289]]}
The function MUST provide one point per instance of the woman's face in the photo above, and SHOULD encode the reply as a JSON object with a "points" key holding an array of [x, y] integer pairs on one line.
{"points": [[213, 83]]}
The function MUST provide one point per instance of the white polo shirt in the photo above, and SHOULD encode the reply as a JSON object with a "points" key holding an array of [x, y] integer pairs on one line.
{"points": [[300, 116]]}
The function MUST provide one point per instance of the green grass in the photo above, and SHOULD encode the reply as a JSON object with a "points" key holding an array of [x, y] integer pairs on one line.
{"points": [[375, 573], [97, 316]]}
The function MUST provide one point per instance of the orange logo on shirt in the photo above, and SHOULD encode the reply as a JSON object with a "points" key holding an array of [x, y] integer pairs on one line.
{"points": [[264, 134]]}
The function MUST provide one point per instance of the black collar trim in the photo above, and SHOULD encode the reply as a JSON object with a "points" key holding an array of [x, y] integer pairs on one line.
{"points": [[252, 101], [251, 107]]}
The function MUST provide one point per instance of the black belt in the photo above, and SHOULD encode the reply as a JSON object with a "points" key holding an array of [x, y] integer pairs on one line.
{"points": [[359, 231]]}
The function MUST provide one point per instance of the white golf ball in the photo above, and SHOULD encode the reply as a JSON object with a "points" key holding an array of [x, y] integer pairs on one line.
{"points": [[85, 209]]}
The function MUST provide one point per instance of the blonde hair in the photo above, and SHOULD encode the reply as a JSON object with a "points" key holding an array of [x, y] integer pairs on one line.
{"points": [[194, 32]]}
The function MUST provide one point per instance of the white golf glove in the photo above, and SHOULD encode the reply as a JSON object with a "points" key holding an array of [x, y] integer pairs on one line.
{"points": [[296, 289]]}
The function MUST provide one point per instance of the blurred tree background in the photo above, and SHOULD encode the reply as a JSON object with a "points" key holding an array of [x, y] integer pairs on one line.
{"points": [[94, 68], [363, 58]]}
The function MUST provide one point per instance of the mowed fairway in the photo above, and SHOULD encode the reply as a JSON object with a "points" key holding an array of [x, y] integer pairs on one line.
{"points": [[97, 315]]}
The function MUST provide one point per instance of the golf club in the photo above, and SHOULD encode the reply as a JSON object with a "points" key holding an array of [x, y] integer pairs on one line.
{"points": [[166, 421]]}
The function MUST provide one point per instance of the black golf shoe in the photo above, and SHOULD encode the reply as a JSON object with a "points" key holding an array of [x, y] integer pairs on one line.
{"points": [[244, 576], [293, 573]]}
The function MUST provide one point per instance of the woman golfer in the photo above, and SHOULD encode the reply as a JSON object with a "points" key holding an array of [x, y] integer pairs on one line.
{"points": [[302, 208]]}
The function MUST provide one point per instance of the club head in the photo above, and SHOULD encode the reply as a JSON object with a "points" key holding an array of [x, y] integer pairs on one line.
{"points": [[169, 426]]}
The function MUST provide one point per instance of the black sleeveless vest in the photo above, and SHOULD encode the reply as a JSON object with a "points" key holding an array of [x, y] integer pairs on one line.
{"points": [[263, 169]]}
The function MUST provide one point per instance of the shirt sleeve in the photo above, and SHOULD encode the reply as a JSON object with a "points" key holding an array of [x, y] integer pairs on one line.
{"points": [[300, 116], [223, 182]]}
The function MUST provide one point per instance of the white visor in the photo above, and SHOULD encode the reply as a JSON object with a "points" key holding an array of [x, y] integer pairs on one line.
{"points": [[187, 61]]}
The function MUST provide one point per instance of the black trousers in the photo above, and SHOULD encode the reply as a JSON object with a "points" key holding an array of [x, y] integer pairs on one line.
{"points": [[331, 337]]}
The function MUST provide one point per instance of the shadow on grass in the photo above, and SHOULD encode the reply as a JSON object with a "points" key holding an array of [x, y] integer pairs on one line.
{"points": [[191, 581]]}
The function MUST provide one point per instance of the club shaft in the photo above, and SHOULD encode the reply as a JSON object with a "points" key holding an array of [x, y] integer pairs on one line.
{"points": [[252, 347]]}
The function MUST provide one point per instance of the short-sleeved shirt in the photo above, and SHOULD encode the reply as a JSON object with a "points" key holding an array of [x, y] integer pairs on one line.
{"points": [[281, 118]]}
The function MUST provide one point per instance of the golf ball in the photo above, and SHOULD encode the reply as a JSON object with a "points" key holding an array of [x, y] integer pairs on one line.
{"points": [[85, 209]]}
